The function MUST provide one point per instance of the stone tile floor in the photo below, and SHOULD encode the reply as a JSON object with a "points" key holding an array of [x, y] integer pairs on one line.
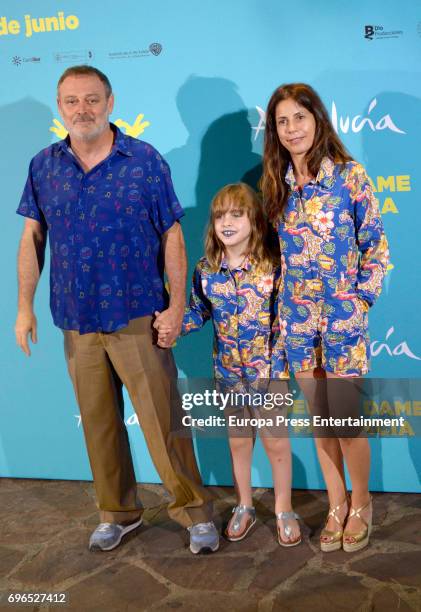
{"points": [[45, 526]]}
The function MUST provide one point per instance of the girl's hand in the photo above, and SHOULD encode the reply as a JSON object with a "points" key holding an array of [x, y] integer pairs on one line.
{"points": [[164, 333]]}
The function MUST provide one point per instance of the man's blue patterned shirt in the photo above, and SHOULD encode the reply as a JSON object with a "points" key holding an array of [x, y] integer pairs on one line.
{"points": [[105, 228]]}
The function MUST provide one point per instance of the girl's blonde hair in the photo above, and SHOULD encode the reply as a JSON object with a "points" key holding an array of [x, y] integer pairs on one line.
{"points": [[243, 198]]}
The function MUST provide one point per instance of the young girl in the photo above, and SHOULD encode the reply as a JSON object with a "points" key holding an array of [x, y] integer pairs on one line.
{"points": [[235, 285]]}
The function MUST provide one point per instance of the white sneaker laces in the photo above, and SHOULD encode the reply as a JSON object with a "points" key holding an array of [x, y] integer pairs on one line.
{"points": [[203, 527], [103, 526]]}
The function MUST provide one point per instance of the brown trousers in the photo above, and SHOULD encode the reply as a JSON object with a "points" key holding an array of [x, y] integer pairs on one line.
{"points": [[99, 365]]}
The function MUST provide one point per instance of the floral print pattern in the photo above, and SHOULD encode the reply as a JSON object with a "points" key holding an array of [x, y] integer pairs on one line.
{"points": [[334, 257]]}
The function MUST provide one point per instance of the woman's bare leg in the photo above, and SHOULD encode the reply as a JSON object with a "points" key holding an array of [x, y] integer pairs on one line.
{"points": [[356, 453], [329, 450]]}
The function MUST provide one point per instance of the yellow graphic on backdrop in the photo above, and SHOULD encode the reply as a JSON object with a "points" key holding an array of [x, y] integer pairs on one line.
{"points": [[58, 129], [401, 182], [371, 409], [35, 25], [131, 129], [134, 129]]}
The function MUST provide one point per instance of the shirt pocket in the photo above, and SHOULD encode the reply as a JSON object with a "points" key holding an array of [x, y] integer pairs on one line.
{"points": [[348, 317]]}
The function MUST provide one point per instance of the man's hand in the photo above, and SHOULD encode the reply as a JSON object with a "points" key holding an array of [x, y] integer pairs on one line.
{"points": [[26, 323], [168, 322], [30, 263], [168, 325]]}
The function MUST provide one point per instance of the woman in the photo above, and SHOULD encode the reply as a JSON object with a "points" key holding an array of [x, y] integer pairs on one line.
{"points": [[334, 257]]}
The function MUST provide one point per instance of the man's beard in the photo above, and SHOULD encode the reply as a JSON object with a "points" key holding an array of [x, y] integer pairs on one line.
{"points": [[87, 136]]}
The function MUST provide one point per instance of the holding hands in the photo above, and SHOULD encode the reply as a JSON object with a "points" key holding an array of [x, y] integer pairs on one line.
{"points": [[168, 325]]}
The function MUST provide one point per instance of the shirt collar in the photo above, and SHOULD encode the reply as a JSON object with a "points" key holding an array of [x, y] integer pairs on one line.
{"points": [[289, 176], [246, 265], [325, 176], [121, 142]]}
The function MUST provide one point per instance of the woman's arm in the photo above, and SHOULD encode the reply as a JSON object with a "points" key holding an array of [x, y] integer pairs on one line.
{"points": [[371, 239], [278, 362]]}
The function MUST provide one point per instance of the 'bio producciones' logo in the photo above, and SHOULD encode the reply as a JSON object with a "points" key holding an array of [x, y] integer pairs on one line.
{"points": [[372, 32]]}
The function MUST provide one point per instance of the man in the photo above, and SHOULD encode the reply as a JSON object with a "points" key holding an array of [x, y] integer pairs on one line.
{"points": [[108, 204]]}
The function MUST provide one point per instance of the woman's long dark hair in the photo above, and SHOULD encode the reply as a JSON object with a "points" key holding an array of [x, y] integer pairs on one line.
{"points": [[276, 158]]}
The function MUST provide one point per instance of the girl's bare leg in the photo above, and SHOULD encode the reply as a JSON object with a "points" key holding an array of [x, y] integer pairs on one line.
{"points": [[241, 455], [278, 450]]}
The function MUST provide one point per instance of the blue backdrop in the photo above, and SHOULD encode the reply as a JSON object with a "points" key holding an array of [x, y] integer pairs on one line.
{"points": [[193, 79]]}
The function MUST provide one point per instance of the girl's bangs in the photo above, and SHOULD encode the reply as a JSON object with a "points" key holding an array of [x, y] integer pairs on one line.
{"points": [[233, 196], [223, 204]]}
